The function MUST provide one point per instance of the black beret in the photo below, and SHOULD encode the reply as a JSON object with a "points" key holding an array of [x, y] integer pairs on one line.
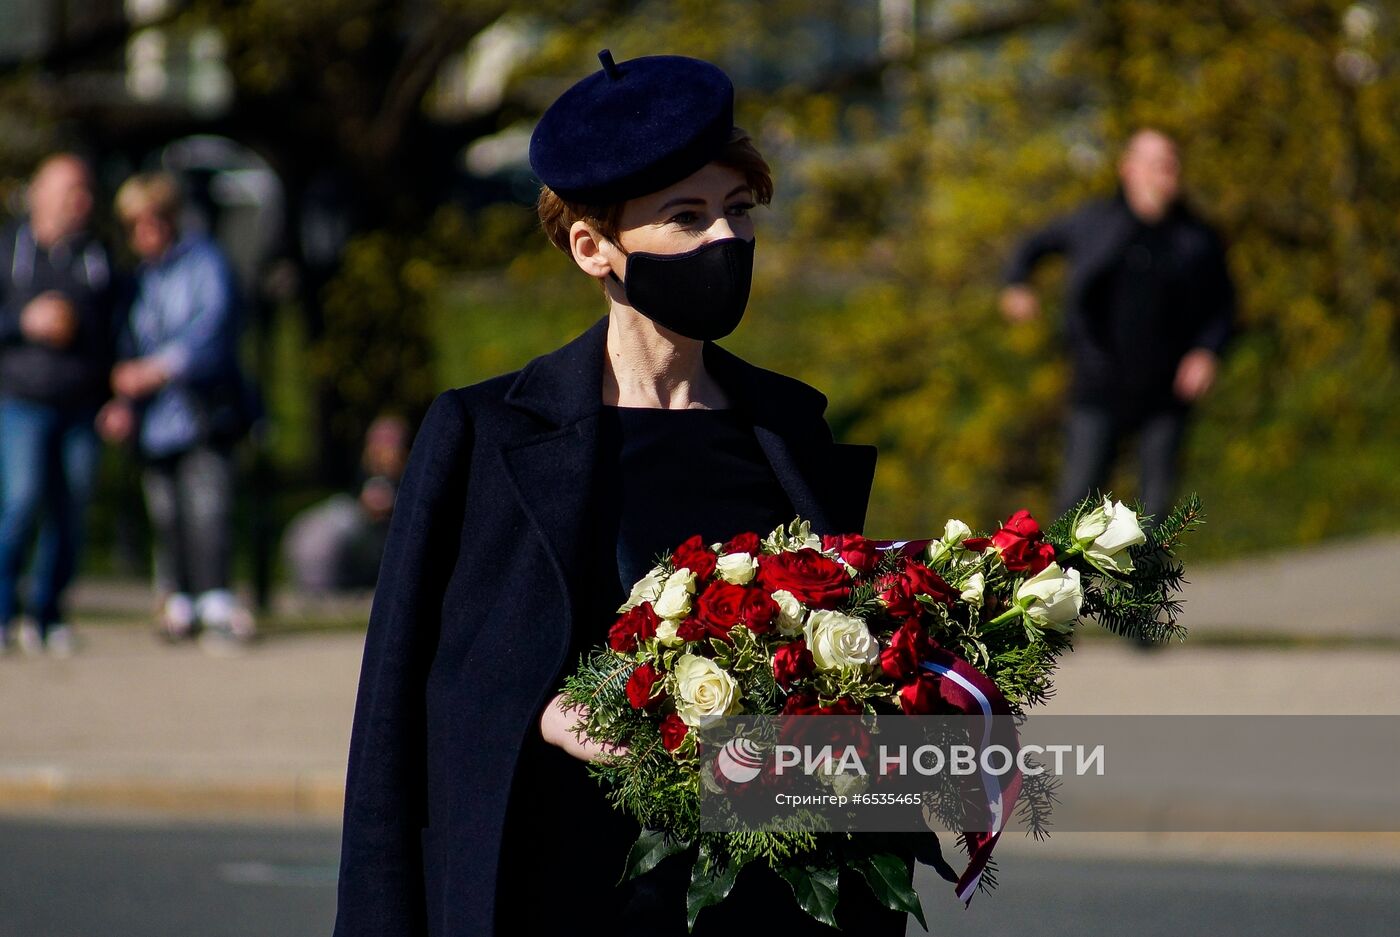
{"points": [[632, 128]]}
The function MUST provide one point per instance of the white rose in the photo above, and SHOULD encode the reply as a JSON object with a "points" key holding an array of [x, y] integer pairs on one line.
{"points": [[840, 642], [791, 613], [954, 533], [646, 589], [666, 632], [738, 568], [674, 601], [1107, 532], [973, 589], [704, 692], [1052, 598]]}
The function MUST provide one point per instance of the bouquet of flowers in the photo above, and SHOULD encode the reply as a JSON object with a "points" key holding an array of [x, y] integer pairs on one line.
{"points": [[796, 623]]}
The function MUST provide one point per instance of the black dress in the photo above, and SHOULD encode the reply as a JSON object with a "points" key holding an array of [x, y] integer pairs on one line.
{"points": [[663, 475]]}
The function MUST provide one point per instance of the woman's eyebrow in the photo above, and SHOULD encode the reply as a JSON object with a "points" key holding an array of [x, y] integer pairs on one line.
{"points": [[738, 190], [681, 201]]}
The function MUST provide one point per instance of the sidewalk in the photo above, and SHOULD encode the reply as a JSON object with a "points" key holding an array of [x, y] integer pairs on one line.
{"points": [[1340, 590], [130, 723]]}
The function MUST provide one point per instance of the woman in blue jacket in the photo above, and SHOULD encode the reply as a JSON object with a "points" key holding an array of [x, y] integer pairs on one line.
{"points": [[534, 499]]}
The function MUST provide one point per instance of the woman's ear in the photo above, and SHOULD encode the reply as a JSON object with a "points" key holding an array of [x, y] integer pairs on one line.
{"points": [[590, 249]]}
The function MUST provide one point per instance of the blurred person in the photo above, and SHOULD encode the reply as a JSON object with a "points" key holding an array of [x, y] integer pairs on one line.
{"points": [[180, 396], [337, 544], [1148, 311], [56, 338]]}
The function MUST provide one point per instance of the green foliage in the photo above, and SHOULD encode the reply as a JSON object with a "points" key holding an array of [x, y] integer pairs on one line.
{"points": [[888, 877], [1143, 604], [376, 346], [905, 172]]}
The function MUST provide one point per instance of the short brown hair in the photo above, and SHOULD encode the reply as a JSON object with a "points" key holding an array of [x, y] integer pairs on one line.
{"points": [[557, 215]]}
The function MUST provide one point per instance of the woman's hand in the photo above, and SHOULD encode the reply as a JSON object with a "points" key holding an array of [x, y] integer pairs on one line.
{"points": [[556, 725]]}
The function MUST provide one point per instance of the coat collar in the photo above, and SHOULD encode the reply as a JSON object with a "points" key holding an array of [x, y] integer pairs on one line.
{"points": [[565, 385]]}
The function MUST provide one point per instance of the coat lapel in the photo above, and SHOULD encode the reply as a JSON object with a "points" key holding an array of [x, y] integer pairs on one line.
{"points": [[552, 470]]}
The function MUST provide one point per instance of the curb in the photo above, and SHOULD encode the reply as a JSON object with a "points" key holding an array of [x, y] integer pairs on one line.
{"points": [[318, 795]]}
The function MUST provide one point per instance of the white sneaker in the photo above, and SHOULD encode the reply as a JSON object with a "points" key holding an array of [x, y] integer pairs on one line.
{"points": [[31, 642], [60, 641], [177, 617], [225, 625]]}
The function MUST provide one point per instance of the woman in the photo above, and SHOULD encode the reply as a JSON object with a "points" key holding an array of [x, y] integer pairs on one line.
{"points": [[534, 499]]}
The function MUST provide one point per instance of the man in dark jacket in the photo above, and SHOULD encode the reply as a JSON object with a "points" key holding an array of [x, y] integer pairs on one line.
{"points": [[1148, 312], [56, 343]]}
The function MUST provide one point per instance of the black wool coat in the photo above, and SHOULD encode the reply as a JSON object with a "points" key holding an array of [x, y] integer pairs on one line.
{"points": [[1093, 239], [474, 610]]}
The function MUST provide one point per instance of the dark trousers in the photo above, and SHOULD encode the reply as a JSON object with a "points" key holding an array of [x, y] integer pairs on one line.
{"points": [[189, 497], [48, 467], [1093, 437]]}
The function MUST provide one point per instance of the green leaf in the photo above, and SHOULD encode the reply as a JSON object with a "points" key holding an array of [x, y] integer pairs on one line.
{"points": [[889, 878], [815, 889], [708, 885], [650, 848]]}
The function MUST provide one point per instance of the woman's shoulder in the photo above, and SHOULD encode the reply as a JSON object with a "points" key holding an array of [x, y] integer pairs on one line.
{"points": [[482, 394]]}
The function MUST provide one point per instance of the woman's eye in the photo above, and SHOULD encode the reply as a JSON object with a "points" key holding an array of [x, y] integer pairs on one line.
{"points": [[685, 217], [741, 209]]}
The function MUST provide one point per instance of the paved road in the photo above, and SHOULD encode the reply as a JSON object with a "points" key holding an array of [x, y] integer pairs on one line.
{"points": [[103, 879]]}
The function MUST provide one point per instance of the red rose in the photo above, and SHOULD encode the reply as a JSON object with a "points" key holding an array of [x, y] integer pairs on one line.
{"points": [[908, 648], [1020, 545], [742, 543], [723, 605], [641, 685], [633, 627], [759, 610], [693, 629], [791, 663], [696, 556], [805, 704], [814, 579], [673, 732], [1020, 524], [899, 591], [923, 581], [854, 550], [1027, 555]]}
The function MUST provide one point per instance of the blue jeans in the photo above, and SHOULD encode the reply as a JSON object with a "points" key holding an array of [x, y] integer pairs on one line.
{"points": [[48, 467]]}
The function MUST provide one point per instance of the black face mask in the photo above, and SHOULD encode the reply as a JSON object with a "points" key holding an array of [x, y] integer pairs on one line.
{"points": [[700, 294]]}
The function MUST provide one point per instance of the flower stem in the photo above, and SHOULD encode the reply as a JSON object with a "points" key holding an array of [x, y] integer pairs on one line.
{"points": [[1011, 613]]}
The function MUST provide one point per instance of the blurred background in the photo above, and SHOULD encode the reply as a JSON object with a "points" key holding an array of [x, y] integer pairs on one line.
{"points": [[363, 164]]}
